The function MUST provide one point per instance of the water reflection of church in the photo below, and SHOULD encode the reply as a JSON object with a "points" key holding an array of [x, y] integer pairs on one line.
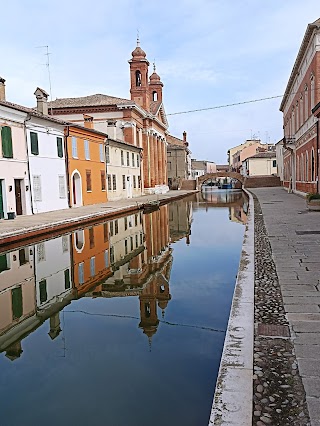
{"points": [[126, 256]]}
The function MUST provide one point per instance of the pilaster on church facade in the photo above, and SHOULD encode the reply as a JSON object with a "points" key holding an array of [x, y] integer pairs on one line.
{"points": [[140, 121]]}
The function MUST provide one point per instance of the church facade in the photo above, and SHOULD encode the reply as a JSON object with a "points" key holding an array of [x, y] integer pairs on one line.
{"points": [[140, 121]]}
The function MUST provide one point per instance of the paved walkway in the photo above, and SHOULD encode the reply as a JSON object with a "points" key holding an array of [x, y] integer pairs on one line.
{"points": [[294, 234], [11, 230]]}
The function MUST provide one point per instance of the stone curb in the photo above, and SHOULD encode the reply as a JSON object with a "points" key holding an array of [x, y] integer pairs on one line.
{"points": [[232, 402]]}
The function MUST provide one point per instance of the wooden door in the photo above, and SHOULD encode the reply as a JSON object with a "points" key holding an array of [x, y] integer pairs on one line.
{"points": [[17, 188]]}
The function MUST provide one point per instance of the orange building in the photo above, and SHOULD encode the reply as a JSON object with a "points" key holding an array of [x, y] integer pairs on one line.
{"points": [[86, 166], [90, 255]]}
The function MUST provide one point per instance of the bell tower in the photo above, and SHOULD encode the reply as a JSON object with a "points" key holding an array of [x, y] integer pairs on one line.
{"points": [[139, 77], [155, 86]]}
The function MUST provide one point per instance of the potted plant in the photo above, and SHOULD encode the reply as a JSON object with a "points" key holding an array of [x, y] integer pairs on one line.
{"points": [[313, 201]]}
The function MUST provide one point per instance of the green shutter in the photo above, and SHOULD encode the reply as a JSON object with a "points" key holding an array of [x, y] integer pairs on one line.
{"points": [[43, 291], [59, 147], [17, 309], [66, 279], [3, 262], [6, 138], [34, 143]]}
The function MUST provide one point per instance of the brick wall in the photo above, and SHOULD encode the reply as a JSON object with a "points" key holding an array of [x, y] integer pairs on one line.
{"points": [[261, 181]]}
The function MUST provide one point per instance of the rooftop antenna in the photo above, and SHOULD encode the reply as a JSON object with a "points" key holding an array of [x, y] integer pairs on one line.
{"points": [[154, 64], [48, 68], [138, 39]]}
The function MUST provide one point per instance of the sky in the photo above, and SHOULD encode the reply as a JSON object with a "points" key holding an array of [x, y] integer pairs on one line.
{"points": [[208, 53]]}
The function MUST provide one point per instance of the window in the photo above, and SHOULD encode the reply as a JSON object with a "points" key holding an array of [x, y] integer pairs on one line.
{"points": [[111, 229], [138, 78], [307, 169], [111, 254], [274, 163], [59, 147], [133, 160], [43, 291], [62, 186], [134, 182], [74, 147], [105, 232], [138, 160], [131, 243], [125, 223], [137, 243], [4, 264], [37, 192], [34, 143], [86, 150], [116, 226], [125, 246], [312, 94], [22, 256], [80, 273], [101, 152], [313, 178], [65, 243], [139, 181], [128, 159], [16, 298], [66, 279], [301, 110], [135, 220], [88, 180], [103, 180], [106, 258], [41, 252], [141, 239], [93, 266], [114, 182], [109, 183], [91, 237], [123, 182], [306, 109], [122, 159], [6, 138]]}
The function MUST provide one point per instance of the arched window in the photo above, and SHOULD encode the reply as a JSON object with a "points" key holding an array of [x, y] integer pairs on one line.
{"points": [[293, 127], [297, 116], [306, 109], [313, 178], [298, 167], [138, 78], [302, 169], [154, 96], [312, 91], [301, 110], [307, 170]]}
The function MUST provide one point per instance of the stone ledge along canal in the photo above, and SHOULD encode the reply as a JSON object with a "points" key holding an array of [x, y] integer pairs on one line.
{"points": [[121, 323]]}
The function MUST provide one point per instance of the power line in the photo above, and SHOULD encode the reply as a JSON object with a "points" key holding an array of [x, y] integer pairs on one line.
{"points": [[226, 105]]}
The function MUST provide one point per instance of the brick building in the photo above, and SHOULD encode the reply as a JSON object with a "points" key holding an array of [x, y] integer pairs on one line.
{"points": [[301, 132], [140, 121]]}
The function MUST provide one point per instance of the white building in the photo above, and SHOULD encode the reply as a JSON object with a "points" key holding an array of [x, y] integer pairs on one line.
{"points": [[52, 271], [279, 158], [260, 164], [14, 176], [45, 138], [123, 162]]}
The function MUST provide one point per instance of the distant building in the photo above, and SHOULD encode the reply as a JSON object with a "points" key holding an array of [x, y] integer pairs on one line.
{"points": [[248, 150], [260, 164], [279, 158], [200, 168], [300, 120], [179, 160]]}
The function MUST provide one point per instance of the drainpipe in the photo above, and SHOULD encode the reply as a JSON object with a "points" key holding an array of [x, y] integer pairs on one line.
{"points": [[28, 163], [106, 143], [66, 159], [317, 161]]}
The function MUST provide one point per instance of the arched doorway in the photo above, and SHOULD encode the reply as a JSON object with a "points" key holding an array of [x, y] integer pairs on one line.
{"points": [[76, 189]]}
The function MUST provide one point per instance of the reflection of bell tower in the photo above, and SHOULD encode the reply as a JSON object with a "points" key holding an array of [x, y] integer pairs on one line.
{"points": [[139, 77], [163, 294], [148, 314]]}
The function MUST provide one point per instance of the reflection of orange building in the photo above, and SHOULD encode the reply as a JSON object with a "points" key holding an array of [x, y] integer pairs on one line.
{"points": [[86, 166], [91, 258]]}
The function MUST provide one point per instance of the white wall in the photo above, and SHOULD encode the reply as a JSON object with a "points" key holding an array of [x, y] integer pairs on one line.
{"points": [[47, 165], [279, 157], [52, 258], [261, 166], [16, 167]]}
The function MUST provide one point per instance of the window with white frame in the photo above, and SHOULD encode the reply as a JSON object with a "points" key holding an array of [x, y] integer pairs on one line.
{"points": [[306, 107], [86, 150], [312, 92], [133, 160], [74, 147], [37, 191], [41, 252], [62, 186], [92, 266], [106, 258], [101, 152], [307, 165], [107, 154], [81, 273], [128, 158]]}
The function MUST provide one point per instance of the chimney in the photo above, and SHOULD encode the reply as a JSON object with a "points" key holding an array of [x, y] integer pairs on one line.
{"points": [[42, 101], [2, 89], [184, 136], [112, 129]]}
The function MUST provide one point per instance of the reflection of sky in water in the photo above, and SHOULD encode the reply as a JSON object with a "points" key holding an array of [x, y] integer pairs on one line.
{"points": [[100, 369]]}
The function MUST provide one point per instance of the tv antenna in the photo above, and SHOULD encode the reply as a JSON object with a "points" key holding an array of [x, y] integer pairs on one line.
{"points": [[48, 68]]}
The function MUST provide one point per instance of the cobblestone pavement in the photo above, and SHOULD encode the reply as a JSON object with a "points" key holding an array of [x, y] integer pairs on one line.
{"points": [[287, 300]]}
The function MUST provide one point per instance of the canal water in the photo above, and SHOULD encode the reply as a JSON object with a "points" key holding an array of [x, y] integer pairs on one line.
{"points": [[121, 323]]}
